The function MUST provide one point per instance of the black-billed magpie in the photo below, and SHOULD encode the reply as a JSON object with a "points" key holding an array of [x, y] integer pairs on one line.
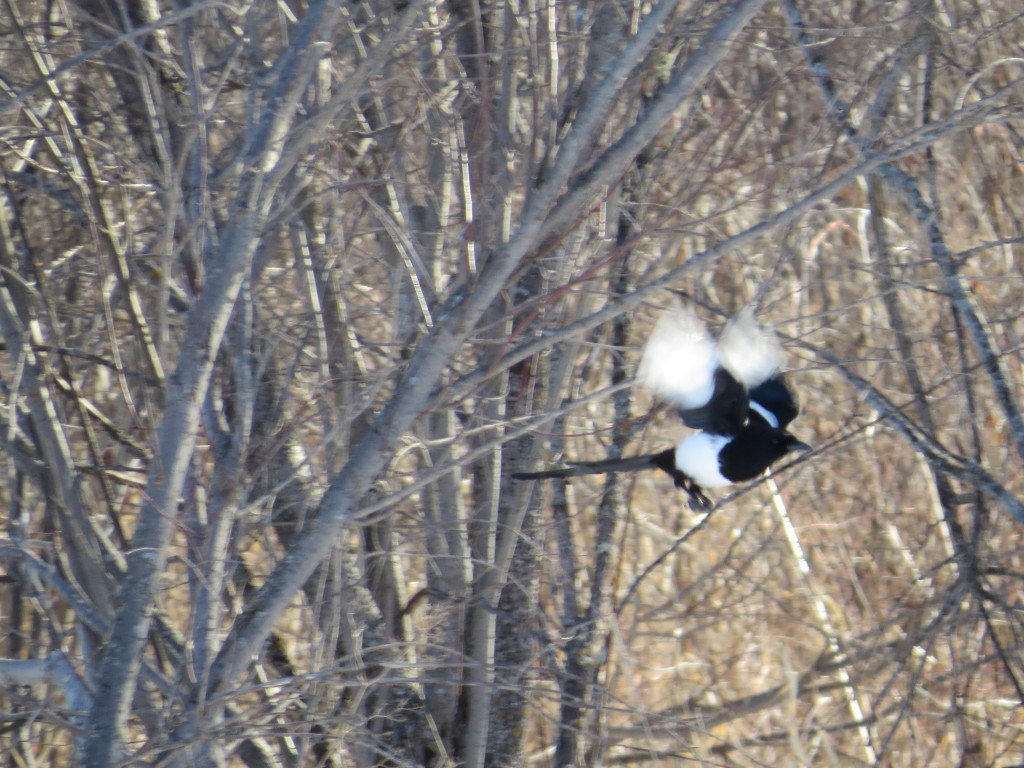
{"points": [[730, 390]]}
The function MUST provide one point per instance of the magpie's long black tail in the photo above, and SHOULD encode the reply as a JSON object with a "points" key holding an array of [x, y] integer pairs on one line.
{"points": [[665, 461], [577, 468]]}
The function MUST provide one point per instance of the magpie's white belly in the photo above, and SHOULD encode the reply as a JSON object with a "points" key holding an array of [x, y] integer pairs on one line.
{"points": [[697, 456]]}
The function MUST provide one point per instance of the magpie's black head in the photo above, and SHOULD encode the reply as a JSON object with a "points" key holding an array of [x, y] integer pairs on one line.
{"points": [[788, 443], [755, 449]]}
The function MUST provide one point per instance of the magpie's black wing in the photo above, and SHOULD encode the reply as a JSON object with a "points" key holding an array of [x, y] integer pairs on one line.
{"points": [[777, 398], [725, 413]]}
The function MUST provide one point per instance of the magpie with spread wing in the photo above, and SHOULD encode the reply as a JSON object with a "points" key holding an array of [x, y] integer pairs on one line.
{"points": [[730, 390]]}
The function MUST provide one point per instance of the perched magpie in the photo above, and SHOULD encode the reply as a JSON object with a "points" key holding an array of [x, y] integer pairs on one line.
{"points": [[730, 390]]}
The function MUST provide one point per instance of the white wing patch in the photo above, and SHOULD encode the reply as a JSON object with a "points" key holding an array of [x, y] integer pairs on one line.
{"points": [[749, 351], [679, 361], [768, 416]]}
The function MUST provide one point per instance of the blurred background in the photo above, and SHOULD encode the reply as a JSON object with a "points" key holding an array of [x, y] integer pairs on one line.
{"points": [[291, 288]]}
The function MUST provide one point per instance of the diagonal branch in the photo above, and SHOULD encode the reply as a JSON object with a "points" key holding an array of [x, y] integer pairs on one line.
{"points": [[176, 436], [909, 144], [900, 181], [455, 321]]}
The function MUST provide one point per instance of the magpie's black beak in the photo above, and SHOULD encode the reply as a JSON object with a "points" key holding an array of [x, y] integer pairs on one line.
{"points": [[796, 445]]}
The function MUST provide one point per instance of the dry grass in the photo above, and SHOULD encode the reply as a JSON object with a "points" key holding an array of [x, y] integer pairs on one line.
{"points": [[860, 607]]}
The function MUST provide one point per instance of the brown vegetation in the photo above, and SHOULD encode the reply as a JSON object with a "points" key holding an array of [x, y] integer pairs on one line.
{"points": [[290, 289]]}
